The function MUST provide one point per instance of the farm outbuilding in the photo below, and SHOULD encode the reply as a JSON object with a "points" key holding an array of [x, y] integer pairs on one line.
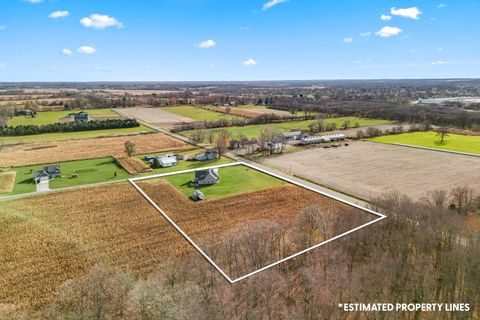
{"points": [[165, 161], [323, 139], [198, 195]]}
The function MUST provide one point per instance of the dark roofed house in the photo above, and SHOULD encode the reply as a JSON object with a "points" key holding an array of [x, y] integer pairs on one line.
{"points": [[80, 117], [205, 177], [48, 173]]}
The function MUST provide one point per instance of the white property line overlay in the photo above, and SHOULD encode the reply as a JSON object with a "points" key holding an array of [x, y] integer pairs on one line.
{"points": [[132, 181]]}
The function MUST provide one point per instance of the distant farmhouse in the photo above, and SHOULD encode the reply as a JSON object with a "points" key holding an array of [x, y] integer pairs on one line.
{"points": [[211, 154], [80, 117], [26, 113], [205, 177], [48, 173]]}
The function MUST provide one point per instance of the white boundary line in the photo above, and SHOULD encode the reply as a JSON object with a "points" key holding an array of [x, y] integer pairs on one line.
{"points": [[132, 181]]}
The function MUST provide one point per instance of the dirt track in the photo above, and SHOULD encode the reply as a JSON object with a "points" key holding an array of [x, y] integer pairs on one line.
{"points": [[367, 169]]}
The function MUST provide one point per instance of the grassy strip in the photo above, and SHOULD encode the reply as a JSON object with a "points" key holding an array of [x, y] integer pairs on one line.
{"points": [[252, 131]]}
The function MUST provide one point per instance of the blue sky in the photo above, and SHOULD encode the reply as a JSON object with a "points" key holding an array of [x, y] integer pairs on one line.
{"points": [[175, 40]]}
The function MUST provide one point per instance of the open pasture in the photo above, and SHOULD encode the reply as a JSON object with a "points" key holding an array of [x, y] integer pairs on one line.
{"points": [[157, 116], [452, 142], [50, 117], [367, 169]]}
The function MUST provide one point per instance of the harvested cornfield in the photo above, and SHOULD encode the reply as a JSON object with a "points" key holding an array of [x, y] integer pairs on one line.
{"points": [[7, 181], [217, 220], [59, 151], [132, 165], [240, 112], [48, 239]]}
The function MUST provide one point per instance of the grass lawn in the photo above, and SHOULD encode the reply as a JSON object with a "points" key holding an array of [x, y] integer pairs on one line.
{"points": [[197, 113], [89, 171], [254, 130], [233, 180], [454, 142], [49, 117], [72, 135], [185, 165]]}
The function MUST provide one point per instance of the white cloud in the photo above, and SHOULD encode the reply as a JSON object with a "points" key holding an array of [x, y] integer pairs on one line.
{"points": [[249, 62], [366, 34], [385, 17], [348, 40], [67, 52], [387, 32], [412, 13], [33, 1], [86, 50], [58, 14], [442, 5], [100, 21], [272, 3], [207, 44], [435, 63]]}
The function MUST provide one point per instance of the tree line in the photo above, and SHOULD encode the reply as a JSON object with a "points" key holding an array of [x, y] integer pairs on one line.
{"points": [[68, 127]]}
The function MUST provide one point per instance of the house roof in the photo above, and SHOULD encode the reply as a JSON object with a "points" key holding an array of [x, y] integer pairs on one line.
{"points": [[167, 159], [40, 174], [51, 168], [202, 174], [292, 133]]}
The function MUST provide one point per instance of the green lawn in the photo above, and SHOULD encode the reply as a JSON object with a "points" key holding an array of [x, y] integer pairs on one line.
{"points": [[254, 130], [454, 142], [233, 180], [197, 113], [72, 135], [49, 117], [88, 171], [183, 164]]}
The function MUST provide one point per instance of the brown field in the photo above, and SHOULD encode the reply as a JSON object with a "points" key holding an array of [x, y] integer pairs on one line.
{"points": [[48, 239], [216, 218], [7, 181], [155, 116], [367, 169], [132, 165], [253, 112], [58, 151]]}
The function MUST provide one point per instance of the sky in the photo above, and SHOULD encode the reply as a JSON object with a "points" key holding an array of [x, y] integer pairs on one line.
{"points": [[222, 40]]}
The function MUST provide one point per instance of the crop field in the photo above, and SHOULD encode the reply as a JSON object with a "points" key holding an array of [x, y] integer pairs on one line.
{"points": [[197, 114], [49, 117], [233, 180], [49, 239], [252, 131], [133, 165], [367, 169], [74, 173], [453, 142], [59, 151], [45, 137], [278, 207], [7, 181], [156, 116]]}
